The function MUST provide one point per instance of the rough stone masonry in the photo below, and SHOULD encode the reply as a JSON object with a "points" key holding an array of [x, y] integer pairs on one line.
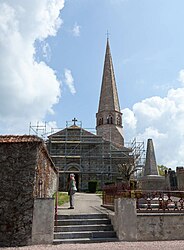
{"points": [[26, 172]]}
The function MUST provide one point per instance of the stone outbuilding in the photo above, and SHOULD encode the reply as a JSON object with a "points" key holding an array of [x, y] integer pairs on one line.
{"points": [[28, 181]]}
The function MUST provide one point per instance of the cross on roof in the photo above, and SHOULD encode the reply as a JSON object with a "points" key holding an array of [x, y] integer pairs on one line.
{"points": [[74, 121], [108, 34]]}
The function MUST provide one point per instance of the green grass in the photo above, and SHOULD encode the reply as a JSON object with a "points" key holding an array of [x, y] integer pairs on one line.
{"points": [[99, 193], [62, 198]]}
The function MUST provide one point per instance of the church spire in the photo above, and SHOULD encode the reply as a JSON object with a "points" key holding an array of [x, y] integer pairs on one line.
{"points": [[109, 116], [109, 95]]}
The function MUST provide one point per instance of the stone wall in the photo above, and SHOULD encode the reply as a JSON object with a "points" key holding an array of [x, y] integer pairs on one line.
{"points": [[112, 133], [132, 226], [161, 226], [17, 165], [86, 155], [26, 173], [124, 221], [43, 221], [180, 177], [46, 179]]}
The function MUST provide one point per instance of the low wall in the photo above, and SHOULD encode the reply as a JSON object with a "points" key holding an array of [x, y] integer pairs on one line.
{"points": [[161, 226], [43, 221], [132, 226]]}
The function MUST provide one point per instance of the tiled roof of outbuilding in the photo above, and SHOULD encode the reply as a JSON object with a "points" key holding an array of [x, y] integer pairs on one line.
{"points": [[19, 138], [24, 139]]}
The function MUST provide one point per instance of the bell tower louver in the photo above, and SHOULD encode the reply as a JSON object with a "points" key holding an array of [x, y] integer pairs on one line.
{"points": [[109, 116]]}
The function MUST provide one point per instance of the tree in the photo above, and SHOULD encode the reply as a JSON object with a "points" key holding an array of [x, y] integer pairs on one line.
{"points": [[161, 169], [127, 170]]}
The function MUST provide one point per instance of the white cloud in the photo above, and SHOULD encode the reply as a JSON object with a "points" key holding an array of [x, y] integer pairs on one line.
{"points": [[161, 119], [181, 76], [46, 51], [69, 81], [28, 89], [76, 30]]}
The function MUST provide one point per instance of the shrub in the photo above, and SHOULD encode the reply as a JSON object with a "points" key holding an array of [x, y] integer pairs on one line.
{"points": [[92, 186]]}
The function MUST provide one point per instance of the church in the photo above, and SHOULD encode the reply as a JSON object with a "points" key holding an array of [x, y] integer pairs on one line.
{"points": [[93, 156]]}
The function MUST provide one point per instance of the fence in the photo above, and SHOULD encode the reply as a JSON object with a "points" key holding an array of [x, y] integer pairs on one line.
{"points": [[146, 201]]}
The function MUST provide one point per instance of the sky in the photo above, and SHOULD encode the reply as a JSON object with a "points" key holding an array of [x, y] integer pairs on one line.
{"points": [[51, 64]]}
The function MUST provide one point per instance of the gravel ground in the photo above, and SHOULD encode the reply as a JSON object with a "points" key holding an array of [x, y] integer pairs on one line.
{"points": [[168, 245]]}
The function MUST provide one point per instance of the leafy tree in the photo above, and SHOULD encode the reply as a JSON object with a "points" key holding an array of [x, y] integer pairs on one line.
{"points": [[161, 169]]}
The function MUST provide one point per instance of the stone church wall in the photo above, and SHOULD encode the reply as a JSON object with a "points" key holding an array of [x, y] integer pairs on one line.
{"points": [[112, 134], [89, 156]]}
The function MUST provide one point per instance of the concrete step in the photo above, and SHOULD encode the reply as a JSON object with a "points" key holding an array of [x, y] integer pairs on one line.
{"points": [[86, 234], [83, 228], [82, 222], [84, 240], [82, 216], [80, 228]]}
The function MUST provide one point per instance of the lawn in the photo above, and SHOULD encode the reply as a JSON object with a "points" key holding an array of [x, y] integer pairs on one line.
{"points": [[62, 198]]}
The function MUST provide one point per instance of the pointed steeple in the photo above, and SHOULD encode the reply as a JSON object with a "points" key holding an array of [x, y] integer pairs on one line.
{"points": [[109, 95], [151, 165], [109, 116]]}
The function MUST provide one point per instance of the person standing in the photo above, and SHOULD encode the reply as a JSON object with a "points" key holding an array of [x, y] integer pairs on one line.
{"points": [[71, 190]]}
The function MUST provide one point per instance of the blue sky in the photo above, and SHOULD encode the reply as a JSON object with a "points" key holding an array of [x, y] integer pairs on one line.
{"points": [[146, 43], [52, 55]]}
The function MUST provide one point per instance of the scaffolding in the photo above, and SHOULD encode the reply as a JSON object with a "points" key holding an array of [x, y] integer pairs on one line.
{"points": [[39, 129], [86, 150], [139, 153]]}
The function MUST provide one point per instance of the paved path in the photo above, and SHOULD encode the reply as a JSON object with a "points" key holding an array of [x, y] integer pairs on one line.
{"points": [[84, 204], [158, 245]]}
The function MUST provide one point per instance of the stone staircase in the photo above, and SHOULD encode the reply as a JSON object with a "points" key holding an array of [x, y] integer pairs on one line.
{"points": [[83, 228]]}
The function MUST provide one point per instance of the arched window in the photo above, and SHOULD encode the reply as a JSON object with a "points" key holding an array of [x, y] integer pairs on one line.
{"points": [[100, 121], [118, 120], [109, 119]]}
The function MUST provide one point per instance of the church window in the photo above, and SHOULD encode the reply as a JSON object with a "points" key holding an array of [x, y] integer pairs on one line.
{"points": [[100, 121], [118, 120], [110, 119]]}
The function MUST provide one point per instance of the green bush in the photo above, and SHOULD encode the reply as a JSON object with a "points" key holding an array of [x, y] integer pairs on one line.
{"points": [[92, 186]]}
